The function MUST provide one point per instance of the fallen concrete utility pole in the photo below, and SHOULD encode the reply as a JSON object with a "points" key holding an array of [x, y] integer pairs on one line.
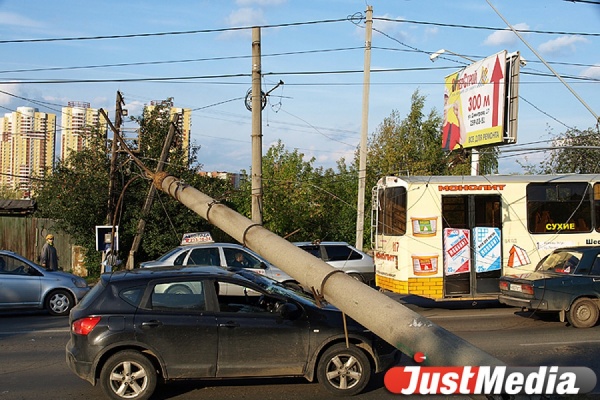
{"points": [[390, 320]]}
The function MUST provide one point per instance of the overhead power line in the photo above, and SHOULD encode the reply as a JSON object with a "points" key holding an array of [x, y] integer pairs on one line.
{"points": [[326, 21], [192, 32], [241, 75], [133, 64], [595, 2], [488, 28]]}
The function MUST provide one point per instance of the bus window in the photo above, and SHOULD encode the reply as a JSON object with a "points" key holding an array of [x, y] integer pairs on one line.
{"points": [[488, 211], [392, 211], [554, 208], [597, 205], [455, 212]]}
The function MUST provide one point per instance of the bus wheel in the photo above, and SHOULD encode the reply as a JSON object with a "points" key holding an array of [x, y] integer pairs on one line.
{"points": [[583, 313]]}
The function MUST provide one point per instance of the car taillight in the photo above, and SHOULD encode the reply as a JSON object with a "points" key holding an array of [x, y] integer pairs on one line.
{"points": [[84, 326], [527, 289], [503, 285]]}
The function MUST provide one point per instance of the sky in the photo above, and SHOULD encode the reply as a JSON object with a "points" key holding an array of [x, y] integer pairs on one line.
{"points": [[199, 53]]}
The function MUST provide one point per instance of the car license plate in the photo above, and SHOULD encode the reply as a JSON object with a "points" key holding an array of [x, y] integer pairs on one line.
{"points": [[515, 287]]}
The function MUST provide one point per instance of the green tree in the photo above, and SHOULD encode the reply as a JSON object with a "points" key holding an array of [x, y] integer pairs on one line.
{"points": [[302, 202], [310, 203], [9, 193], [287, 203], [75, 195], [575, 152], [412, 146]]}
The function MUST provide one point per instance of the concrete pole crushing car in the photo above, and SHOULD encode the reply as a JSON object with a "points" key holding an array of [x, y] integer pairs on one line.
{"points": [[406, 330]]}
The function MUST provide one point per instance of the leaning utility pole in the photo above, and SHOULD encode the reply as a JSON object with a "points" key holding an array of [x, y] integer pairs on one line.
{"points": [[362, 168], [256, 129], [151, 191]]}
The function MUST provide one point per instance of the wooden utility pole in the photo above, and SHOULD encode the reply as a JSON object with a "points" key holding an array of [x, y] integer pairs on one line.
{"points": [[151, 191], [110, 215], [256, 129], [362, 169]]}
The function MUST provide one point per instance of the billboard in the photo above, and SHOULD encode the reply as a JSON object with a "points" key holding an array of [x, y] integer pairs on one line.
{"points": [[475, 103]]}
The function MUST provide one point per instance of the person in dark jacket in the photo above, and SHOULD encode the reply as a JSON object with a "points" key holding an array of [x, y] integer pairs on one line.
{"points": [[49, 257]]}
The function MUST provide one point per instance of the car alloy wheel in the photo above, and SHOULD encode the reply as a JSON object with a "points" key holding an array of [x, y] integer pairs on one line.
{"points": [[128, 375], [344, 370]]}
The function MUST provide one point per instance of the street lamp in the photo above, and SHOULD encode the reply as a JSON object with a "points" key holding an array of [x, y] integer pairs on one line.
{"points": [[438, 53], [474, 152]]}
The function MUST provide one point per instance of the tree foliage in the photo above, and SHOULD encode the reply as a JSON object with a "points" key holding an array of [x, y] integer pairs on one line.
{"points": [[412, 146], [7, 193], [575, 152], [299, 201], [76, 193], [308, 203]]}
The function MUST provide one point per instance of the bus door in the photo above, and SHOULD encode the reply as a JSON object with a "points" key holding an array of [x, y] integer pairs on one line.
{"points": [[474, 216]]}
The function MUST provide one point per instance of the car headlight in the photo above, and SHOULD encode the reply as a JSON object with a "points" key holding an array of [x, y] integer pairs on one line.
{"points": [[80, 283]]}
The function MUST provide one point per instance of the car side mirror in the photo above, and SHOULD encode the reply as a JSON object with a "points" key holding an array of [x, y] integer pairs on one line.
{"points": [[289, 311]]}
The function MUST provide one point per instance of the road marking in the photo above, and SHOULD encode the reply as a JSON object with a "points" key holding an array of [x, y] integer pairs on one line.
{"points": [[559, 343], [459, 315], [36, 331]]}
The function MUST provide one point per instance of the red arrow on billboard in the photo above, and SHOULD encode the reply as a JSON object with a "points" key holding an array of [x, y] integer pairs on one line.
{"points": [[497, 76]]}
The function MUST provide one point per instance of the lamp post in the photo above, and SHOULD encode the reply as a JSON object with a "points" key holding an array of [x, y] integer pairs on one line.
{"points": [[438, 53], [474, 152]]}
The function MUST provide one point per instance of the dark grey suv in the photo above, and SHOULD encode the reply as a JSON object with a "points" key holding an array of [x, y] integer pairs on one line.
{"points": [[136, 328]]}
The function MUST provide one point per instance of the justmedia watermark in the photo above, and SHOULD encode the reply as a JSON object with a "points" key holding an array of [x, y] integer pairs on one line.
{"points": [[489, 380]]}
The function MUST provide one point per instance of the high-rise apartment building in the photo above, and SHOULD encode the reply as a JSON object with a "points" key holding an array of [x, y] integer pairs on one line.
{"points": [[78, 120], [182, 137], [27, 142]]}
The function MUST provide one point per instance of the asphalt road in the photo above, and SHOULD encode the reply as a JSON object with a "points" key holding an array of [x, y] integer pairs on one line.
{"points": [[32, 354]]}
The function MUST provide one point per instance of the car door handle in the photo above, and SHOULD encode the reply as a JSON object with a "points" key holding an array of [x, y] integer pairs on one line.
{"points": [[229, 325], [151, 324]]}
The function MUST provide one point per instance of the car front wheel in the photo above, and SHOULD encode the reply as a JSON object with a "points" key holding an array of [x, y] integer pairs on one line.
{"points": [[344, 371], [59, 302], [128, 375], [583, 313]]}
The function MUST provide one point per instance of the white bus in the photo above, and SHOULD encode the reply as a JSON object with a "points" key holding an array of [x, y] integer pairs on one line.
{"points": [[452, 237]]}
